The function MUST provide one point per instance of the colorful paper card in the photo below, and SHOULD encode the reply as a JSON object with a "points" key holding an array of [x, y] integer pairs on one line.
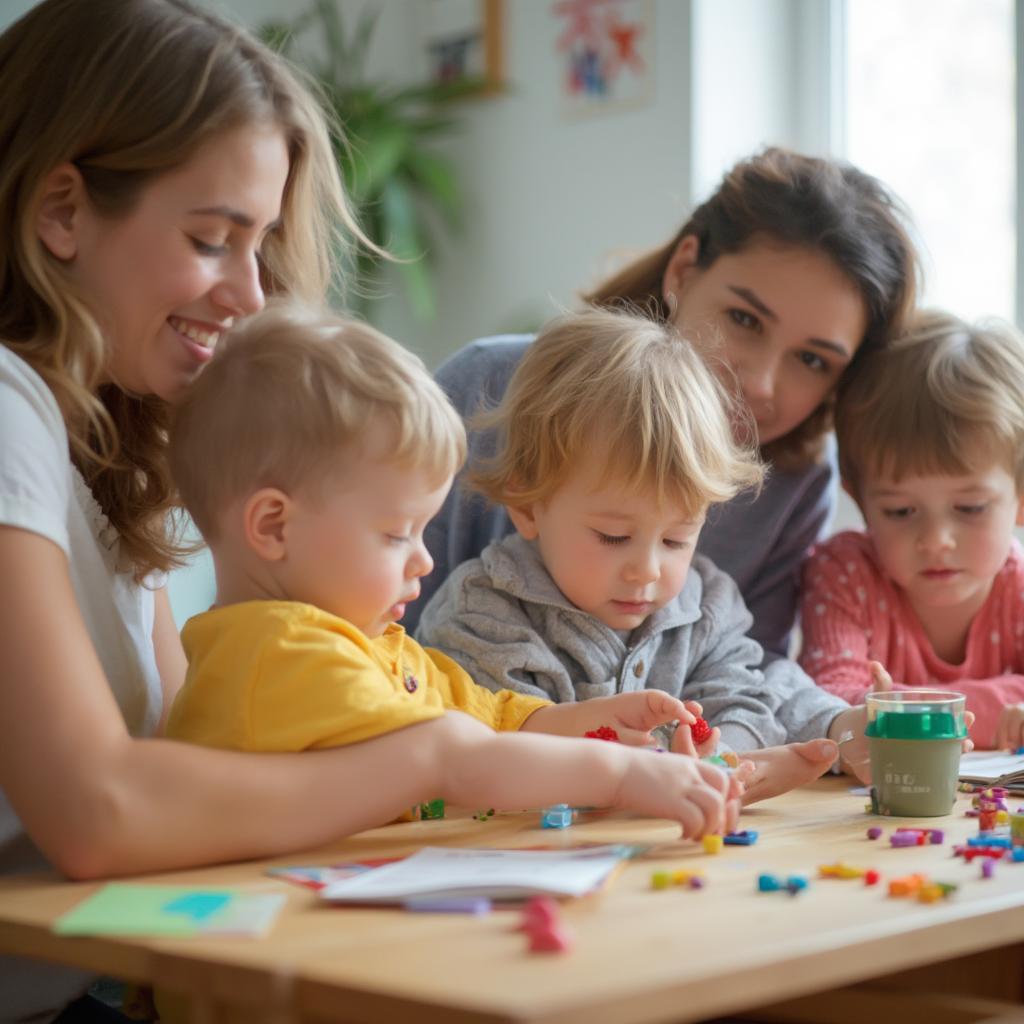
{"points": [[124, 908]]}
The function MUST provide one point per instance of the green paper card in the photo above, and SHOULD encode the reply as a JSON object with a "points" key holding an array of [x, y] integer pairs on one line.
{"points": [[170, 910]]}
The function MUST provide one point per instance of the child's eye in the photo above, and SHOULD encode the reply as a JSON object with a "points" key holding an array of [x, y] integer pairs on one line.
{"points": [[608, 538], [206, 249], [675, 545], [897, 513], [396, 539], [742, 318], [971, 510]]}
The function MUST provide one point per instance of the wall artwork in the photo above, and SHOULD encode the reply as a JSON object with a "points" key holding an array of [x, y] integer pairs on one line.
{"points": [[606, 49], [463, 43]]}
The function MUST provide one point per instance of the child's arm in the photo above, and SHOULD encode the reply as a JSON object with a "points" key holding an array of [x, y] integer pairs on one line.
{"points": [[481, 768], [631, 715]]}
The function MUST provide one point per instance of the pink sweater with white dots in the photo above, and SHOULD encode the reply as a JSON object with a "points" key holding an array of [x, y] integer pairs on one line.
{"points": [[852, 613]]}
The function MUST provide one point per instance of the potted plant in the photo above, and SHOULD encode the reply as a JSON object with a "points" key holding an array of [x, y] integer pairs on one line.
{"points": [[399, 184]]}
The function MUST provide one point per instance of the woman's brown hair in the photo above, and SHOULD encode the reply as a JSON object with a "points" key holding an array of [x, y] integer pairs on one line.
{"points": [[127, 90], [790, 199]]}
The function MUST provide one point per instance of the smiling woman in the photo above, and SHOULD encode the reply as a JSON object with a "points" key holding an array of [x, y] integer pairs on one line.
{"points": [[790, 271], [160, 172]]}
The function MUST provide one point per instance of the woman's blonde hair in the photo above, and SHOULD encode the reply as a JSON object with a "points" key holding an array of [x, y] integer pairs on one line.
{"points": [[290, 396], [945, 398], [127, 90], [784, 198], [626, 387]]}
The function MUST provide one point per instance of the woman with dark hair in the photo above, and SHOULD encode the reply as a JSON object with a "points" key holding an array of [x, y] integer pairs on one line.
{"points": [[784, 277]]}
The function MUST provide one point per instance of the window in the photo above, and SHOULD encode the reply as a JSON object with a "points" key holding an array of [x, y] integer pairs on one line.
{"points": [[931, 110]]}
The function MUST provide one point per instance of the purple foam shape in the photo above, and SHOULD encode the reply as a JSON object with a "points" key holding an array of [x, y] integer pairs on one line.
{"points": [[988, 867], [874, 832], [903, 839], [448, 905]]}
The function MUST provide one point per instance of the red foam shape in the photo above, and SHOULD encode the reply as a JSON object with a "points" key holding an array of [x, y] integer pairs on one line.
{"points": [[603, 732], [700, 731]]}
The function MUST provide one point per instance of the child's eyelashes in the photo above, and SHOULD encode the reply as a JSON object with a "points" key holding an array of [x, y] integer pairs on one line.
{"points": [[612, 539], [398, 539], [906, 511]]}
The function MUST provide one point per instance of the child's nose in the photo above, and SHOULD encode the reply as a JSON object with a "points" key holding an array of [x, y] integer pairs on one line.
{"points": [[936, 535], [644, 567], [420, 563]]}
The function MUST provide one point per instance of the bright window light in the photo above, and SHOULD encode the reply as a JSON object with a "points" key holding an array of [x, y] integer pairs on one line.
{"points": [[931, 111]]}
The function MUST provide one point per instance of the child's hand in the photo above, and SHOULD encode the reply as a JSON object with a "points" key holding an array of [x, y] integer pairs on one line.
{"points": [[631, 715], [683, 740], [847, 729], [778, 769], [1010, 727], [697, 795]]}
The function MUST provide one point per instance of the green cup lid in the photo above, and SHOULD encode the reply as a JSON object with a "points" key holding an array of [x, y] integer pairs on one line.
{"points": [[916, 725]]}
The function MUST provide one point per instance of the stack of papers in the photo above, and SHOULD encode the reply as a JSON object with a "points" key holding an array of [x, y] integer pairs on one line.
{"points": [[446, 872], [993, 768]]}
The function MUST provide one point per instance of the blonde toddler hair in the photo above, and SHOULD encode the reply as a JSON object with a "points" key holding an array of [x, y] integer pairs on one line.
{"points": [[626, 386], [289, 395], [944, 398]]}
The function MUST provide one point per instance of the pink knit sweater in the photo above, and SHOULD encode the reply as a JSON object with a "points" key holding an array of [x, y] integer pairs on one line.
{"points": [[852, 613]]}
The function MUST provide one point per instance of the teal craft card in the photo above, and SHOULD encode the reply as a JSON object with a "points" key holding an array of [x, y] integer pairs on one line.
{"points": [[124, 908]]}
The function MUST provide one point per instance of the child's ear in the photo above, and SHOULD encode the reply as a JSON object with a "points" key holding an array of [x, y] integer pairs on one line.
{"points": [[264, 520], [58, 220], [682, 266], [524, 520]]}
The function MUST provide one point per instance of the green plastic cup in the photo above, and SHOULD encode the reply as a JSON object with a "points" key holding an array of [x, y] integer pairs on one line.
{"points": [[914, 737]]}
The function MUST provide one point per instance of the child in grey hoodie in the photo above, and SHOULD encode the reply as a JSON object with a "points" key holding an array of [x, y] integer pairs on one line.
{"points": [[615, 439]]}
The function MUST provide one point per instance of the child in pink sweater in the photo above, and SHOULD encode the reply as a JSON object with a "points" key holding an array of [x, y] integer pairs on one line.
{"points": [[931, 447]]}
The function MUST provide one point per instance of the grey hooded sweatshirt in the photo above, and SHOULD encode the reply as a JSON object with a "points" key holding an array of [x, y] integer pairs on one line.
{"points": [[502, 617]]}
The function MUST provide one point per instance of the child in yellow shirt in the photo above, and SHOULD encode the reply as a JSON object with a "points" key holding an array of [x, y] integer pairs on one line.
{"points": [[311, 453]]}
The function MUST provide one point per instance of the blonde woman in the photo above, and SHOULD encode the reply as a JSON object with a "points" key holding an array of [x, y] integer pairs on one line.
{"points": [[160, 172]]}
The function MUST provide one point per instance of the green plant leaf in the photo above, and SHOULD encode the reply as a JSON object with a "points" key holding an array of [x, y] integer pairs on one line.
{"points": [[375, 157], [404, 240], [435, 177], [400, 187]]}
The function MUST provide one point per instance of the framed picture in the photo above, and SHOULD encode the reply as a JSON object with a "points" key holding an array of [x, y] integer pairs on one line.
{"points": [[463, 43], [606, 49]]}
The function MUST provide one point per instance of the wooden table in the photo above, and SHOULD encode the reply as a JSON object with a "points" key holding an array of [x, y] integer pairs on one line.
{"points": [[641, 955]]}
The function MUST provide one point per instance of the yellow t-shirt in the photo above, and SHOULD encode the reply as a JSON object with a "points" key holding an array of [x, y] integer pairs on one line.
{"points": [[286, 676]]}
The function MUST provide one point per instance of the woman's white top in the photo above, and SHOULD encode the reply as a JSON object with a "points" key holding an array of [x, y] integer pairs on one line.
{"points": [[42, 491]]}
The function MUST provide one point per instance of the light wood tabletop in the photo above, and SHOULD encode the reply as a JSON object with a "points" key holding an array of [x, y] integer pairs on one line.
{"points": [[640, 954]]}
